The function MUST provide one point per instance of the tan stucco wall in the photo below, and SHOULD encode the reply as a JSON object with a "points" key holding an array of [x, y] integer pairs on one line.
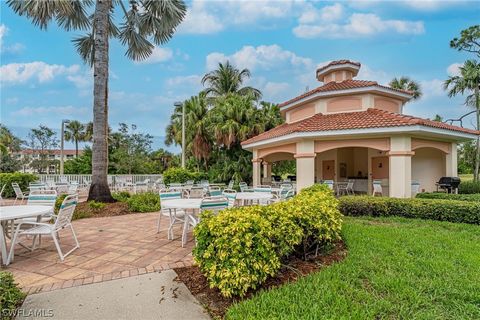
{"points": [[343, 104], [428, 165], [387, 104], [327, 155], [300, 113], [375, 143], [400, 167], [305, 157]]}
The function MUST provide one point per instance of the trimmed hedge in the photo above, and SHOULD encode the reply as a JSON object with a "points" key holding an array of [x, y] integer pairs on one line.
{"points": [[180, 175], [11, 297], [469, 187], [23, 179], [433, 209], [239, 248], [449, 196]]}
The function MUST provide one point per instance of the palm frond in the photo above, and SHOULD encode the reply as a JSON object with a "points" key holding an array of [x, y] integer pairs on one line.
{"points": [[85, 46]]}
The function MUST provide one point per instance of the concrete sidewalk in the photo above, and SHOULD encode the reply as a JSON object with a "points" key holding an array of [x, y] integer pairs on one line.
{"points": [[148, 296]]}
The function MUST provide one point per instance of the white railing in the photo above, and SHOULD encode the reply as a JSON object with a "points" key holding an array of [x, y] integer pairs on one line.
{"points": [[85, 179]]}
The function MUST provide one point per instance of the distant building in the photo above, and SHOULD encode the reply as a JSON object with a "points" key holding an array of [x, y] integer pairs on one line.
{"points": [[28, 156]]}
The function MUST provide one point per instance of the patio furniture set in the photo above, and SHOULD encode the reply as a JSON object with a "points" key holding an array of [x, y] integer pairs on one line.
{"points": [[35, 219], [182, 203]]}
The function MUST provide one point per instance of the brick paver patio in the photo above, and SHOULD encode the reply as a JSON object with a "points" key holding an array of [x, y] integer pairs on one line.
{"points": [[110, 248]]}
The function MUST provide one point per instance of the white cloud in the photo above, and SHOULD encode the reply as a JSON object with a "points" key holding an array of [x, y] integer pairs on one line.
{"points": [[17, 73], [274, 90], [12, 49], [432, 5], [454, 69], [264, 57], [43, 111], [190, 80], [158, 55], [327, 13], [432, 88], [199, 20], [318, 25]]}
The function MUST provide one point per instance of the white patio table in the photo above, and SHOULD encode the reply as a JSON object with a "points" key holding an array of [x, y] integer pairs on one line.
{"points": [[253, 196], [10, 213], [182, 203]]}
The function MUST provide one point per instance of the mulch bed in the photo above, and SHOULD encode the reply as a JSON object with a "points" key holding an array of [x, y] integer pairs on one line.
{"points": [[217, 305], [83, 210]]}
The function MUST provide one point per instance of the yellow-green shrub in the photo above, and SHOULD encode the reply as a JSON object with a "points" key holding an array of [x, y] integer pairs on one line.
{"points": [[240, 248]]}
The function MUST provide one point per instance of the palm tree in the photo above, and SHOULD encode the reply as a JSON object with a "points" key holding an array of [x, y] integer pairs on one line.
{"points": [[235, 118], [407, 84], [468, 81], [142, 20], [75, 132], [198, 142], [228, 79]]}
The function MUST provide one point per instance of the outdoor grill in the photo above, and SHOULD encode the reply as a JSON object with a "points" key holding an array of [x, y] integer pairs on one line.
{"points": [[449, 184]]}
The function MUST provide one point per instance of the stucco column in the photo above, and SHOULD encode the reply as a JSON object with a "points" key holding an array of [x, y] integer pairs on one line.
{"points": [[400, 168], [451, 168], [267, 169], [305, 157], [257, 172]]}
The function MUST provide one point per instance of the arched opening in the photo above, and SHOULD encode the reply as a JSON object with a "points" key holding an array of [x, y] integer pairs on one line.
{"points": [[278, 166], [428, 166]]}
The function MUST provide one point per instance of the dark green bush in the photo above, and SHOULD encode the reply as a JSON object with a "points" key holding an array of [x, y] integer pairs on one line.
{"points": [[433, 209], [449, 196], [11, 297], [23, 179], [144, 202], [180, 175], [239, 248], [469, 187]]}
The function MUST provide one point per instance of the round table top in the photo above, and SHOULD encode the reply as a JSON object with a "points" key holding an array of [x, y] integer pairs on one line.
{"points": [[253, 195], [25, 211], [181, 203]]}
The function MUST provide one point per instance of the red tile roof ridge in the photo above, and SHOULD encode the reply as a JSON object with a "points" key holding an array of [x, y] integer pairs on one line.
{"points": [[337, 62]]}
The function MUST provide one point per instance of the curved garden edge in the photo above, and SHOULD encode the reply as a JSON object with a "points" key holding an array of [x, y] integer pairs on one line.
{"points": [[217, 305]]}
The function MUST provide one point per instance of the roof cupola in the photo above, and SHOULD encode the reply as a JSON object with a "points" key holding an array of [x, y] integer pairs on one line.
{"points": [[338, 71]]}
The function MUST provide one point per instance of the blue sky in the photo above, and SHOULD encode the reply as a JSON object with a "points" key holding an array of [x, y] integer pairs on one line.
{"points": [[282, 43]]}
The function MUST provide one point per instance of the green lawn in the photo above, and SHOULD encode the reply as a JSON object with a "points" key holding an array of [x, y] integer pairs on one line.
{"points": [[396, 269]]}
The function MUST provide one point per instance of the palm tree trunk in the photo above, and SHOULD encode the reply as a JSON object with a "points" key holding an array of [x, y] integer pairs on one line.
{"points": [[99, 190], [76, 148], [477, 157]]}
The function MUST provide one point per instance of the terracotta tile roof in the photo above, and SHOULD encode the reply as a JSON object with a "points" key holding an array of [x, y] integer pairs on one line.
{"points": [[344, 85], [337, 62], [371, 118]]}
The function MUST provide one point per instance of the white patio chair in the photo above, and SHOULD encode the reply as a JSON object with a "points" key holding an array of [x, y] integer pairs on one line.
{"points": [[350, 187], [73, 188], [329, 183], [19, 194], [62, 187], [231, 196], [262, 188], [415, 188], [215, 204], [244, 187], [231, 184], [214, 191], [63, 220], [140, 187], [174, 215], [196, 192], [377, 188]]}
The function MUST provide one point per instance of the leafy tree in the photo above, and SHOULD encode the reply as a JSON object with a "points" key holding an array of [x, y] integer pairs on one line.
{"points": [[131, 150], [468, 81], [438, 118], [407, 84], [8, 141], [143, 20], [466, 157], [42, 141], [81, 164], [75, 132], [228, 79], [469, 40]]}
